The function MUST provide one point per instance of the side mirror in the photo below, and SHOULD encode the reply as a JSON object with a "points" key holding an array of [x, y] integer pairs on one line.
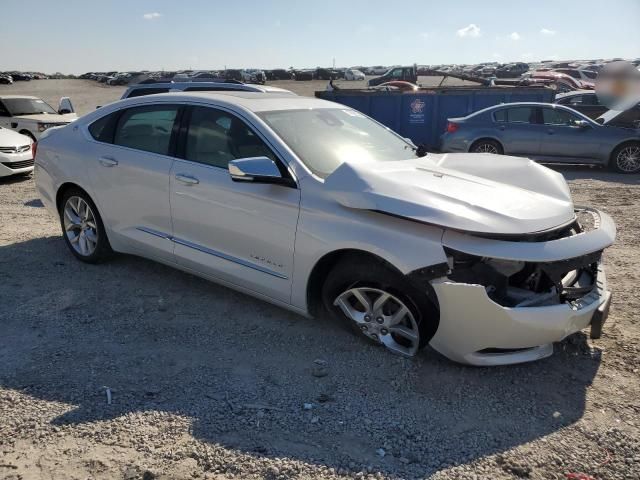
{"points": [[65, 106], [257, 170], [600, 120], [581, 124]]}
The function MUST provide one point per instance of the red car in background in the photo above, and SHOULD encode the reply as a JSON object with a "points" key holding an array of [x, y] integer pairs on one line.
{"points": [[562, 80]]}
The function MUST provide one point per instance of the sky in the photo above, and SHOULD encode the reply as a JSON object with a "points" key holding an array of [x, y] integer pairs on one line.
{"points": [[77, 36]]}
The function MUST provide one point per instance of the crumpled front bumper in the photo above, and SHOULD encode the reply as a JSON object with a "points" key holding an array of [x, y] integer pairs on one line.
{"points": [[473, 329]]}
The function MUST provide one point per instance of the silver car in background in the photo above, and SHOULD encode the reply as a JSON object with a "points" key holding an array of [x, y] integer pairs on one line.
{"points": [[544, 132], [317, 208]]}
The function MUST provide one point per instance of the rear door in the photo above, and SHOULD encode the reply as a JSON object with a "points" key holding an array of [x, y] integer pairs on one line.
{"points": [[519, 130], [129, 170], [239, 232], [565, 140]]}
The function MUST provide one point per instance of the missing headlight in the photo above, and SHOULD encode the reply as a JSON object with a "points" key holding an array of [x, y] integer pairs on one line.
{"points": [[526, 284]]}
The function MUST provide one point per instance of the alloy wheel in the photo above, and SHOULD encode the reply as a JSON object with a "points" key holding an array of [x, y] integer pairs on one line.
{"points": [[628, 159], [486, 148], [80, 226], [382, 317]]}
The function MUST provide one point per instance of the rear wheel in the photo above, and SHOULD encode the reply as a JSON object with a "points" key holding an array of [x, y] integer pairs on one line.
{"points": [[82, 228], [486, 146], [626, 158], [378, 303]]}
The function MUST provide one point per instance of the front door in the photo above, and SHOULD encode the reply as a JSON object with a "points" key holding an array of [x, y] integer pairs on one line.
{"points": [[242, 233], [564, 139]]}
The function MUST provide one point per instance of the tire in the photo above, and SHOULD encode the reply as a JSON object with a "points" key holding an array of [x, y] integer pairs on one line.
{"points": [[87, 239], [372, 278], [486, 146], [626, 158]]}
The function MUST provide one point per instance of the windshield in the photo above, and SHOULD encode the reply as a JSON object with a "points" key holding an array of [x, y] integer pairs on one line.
{"points": [[326, 138], [27, 106]]}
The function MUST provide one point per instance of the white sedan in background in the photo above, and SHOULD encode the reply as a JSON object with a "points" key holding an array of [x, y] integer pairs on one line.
{"points": [[351, 74], [317, 208], [16, 153]]}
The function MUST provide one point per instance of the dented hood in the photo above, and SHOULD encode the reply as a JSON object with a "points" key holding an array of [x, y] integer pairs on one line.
{"points": [[473, 192]]}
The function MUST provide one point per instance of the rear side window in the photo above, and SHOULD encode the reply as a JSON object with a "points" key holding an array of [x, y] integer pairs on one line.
{"points": [[500, 116], [141, 92], [146, 128], [521, 115]]}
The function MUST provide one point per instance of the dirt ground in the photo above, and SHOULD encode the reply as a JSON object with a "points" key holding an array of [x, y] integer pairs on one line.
{"points": [[205, 382]]}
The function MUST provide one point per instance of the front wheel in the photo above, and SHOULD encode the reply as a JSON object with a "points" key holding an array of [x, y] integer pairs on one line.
{"points": [[626, 158], [380, 304], [82, 228]]}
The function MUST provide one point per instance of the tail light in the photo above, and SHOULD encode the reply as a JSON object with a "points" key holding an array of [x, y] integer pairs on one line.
{"points": [[452, 127], [34, 149]]}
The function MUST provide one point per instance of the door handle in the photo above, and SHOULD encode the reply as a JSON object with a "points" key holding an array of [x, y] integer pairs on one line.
{"points": [[502, 127], [187, 179], [108, 161], [550, 132]]}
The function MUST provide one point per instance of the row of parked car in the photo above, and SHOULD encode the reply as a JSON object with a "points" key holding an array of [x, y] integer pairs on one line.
{"points": [[248, 75], [7, 78]]}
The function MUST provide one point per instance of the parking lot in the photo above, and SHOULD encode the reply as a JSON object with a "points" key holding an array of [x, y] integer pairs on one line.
{"points": [[205, 382]]}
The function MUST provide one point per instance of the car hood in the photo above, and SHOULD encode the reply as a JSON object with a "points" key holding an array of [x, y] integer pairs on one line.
{"points": [[50, 118], [9, 138], [472, 192]]}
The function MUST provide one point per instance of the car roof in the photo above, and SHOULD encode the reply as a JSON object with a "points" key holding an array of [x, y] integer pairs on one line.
{"points": [[521, 104], [252, 101]]}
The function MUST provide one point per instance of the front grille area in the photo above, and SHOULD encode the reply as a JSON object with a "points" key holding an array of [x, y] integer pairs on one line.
{"points": [[18, 165], [20, 149]]}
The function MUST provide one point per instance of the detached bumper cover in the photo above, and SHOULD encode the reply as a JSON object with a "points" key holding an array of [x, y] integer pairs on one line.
{"points": [[476, 330]]}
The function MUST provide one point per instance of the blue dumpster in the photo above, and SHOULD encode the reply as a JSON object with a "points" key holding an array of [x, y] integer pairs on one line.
{"points": [[422, 115]]}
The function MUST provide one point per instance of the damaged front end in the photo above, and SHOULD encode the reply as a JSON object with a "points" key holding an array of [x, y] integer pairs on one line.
{"points": [[514, 296]]}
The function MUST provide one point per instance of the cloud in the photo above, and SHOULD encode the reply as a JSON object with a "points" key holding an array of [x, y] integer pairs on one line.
{"points": [[515, 36], [471, 30], [547, 32], [151, 16], [365, 29], [496, 55]]}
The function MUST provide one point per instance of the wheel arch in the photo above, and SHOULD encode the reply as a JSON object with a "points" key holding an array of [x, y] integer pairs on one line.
{"points": [[324, 265], [28, 133], [64, 188]]}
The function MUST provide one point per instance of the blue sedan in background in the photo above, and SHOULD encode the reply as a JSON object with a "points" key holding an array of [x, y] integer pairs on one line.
{"points": [[545, 132]]}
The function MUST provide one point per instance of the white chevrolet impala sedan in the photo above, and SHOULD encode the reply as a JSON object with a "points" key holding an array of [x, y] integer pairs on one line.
{"points": [[317, 208]]}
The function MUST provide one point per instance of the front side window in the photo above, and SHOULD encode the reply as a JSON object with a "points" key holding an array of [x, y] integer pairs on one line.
{"points": [[325, 138], [146, 128], [216, 137], [521, 115], [397, 73], [552, 116]]}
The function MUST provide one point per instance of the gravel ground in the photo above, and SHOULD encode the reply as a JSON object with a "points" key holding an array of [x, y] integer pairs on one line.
{"points": [[205, 382]]}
